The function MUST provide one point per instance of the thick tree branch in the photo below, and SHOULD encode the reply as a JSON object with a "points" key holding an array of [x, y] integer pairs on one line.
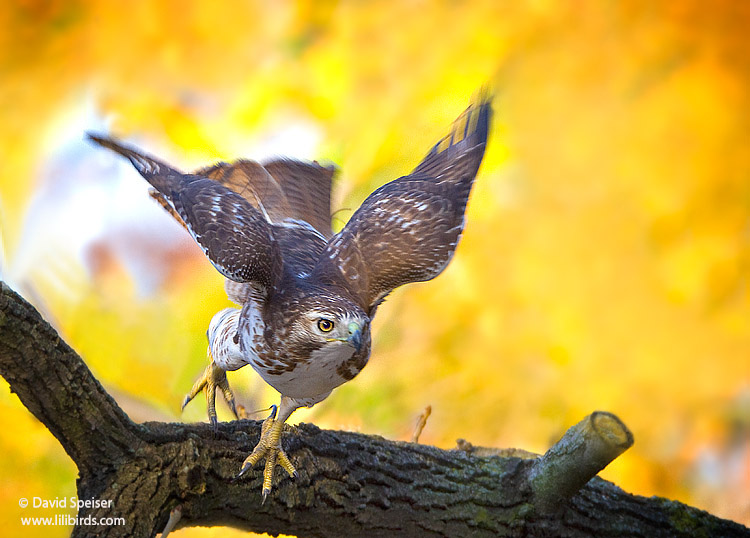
{"points": [[350, 484], [54, 384]]}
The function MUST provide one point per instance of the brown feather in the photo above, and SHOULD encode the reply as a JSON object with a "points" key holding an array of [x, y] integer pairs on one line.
{"points": [[308, 191], [234, 234], [407, 230], [252, 181]]}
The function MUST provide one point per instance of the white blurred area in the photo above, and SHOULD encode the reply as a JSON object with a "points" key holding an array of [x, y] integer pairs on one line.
{"points": [[90, 208], [87, 206]]}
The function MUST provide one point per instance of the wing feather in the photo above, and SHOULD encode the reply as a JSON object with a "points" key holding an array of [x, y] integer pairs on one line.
{"points": [[408, 229], [296, 197], [287, 189], [235, 235], [307, 186], [253, 182]]}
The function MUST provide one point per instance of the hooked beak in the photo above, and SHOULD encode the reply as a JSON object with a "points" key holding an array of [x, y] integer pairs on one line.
{"points": [[355, 335]]}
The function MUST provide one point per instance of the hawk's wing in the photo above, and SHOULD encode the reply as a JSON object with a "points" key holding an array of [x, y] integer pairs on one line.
{"points": [[286, 189], [295, 196], [235, 236], [307, 186], [407, 230], [252, 181], [248, 179]]}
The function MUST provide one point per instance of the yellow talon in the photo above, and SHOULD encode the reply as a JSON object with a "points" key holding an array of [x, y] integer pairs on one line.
{"points": [[269, 447], [286, 464], [212, 377]]}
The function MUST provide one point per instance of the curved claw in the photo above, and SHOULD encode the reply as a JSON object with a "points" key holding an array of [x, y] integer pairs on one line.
{"points": [[269, 447]]}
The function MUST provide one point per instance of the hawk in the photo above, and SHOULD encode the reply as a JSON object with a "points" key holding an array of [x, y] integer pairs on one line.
{"points": [[307, 295]]}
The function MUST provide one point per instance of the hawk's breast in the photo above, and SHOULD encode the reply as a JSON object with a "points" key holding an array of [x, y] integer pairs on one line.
{"points": [[313, 377]]}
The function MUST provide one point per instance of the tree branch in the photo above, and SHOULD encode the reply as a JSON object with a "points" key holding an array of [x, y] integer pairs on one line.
{"points": [[54, 384], [350, 484]]}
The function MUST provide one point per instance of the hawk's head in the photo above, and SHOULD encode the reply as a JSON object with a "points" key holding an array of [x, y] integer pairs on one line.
{"points": [[325, 321]]}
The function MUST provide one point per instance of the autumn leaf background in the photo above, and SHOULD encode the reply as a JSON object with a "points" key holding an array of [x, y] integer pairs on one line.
{"points": [[604, 265]]}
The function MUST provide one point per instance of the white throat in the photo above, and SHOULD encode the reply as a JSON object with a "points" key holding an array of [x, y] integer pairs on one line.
{"points": [[313, 378]]}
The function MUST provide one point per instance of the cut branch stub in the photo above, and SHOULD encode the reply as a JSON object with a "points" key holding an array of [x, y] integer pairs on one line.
{"points": [[584, 450]]}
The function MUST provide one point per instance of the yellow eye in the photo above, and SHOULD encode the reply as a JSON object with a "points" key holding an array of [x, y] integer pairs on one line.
{"points": [[325, 325]]}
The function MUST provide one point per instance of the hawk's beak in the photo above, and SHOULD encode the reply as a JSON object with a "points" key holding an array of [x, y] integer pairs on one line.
{"points": [[355, 335]]}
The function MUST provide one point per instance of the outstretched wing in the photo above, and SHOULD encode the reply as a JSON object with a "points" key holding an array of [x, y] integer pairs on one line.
{"points": [[235, 236], [407, 230]]}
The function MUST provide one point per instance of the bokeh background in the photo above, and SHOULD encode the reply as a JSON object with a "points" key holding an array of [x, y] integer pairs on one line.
{"points": [[605, 263]]}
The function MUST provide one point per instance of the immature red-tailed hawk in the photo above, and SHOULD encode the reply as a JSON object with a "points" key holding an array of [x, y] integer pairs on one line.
{"points": [[307, 295]]}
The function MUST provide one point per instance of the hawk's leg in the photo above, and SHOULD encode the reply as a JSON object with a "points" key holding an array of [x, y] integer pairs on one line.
{"points": [[212, 378], [269, 446]]}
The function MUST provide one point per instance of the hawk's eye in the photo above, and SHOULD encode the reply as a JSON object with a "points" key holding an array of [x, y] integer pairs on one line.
{"points": [[325, 325]]}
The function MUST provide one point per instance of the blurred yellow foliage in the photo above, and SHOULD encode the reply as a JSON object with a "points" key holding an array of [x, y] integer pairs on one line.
{"points": [[604, 265]]}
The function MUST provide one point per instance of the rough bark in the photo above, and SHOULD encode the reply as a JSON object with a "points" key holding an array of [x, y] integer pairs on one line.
{"points": [[349, 484]]}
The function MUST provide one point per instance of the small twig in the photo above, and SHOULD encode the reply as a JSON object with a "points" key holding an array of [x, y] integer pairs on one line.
{"points": [[421, 422], [174, 518]]}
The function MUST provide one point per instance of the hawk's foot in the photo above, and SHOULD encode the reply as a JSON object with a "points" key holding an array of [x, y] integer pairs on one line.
{"points": [[269, 447], [212, 378]]}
